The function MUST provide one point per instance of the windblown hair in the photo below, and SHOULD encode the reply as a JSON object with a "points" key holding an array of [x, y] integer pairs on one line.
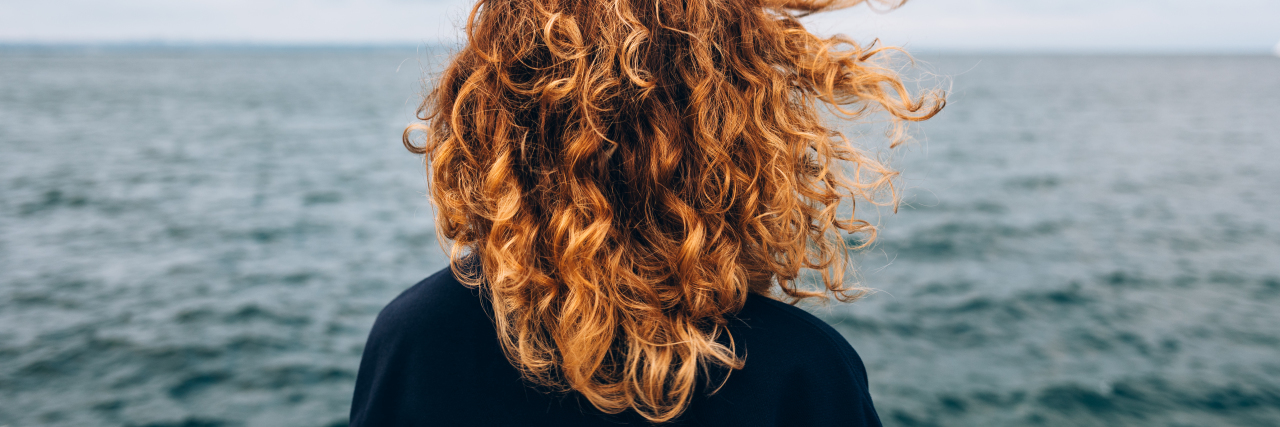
{"points": [[627, 171]]}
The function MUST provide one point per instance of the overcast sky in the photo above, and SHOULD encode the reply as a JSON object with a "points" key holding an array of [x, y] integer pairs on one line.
{"points": [[971, 25]]}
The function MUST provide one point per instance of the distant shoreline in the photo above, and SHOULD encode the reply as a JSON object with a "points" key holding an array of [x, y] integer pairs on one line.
{"points": [[143, 45], [107, 46], [438, 46]]}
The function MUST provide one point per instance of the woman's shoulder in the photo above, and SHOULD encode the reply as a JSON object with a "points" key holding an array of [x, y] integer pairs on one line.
{"points": [[437, 291], [767, 330], [437, 306], [797, 370], [432, 358], [783, 330]]}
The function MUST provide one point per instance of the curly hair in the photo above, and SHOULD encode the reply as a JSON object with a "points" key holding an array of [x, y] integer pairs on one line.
{"points": [[627, 171]]}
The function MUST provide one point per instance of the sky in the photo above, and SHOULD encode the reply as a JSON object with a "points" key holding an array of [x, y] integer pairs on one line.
{"points": [[1158, 26]]}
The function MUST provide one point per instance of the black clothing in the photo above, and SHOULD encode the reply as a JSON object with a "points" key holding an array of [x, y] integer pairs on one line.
{"points": [[433, 359]]}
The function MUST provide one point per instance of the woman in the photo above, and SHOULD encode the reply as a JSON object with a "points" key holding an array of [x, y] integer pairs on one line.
{"points": [[630, 187]]}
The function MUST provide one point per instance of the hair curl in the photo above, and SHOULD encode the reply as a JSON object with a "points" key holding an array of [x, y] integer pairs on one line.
{"points": [[629, 170]]}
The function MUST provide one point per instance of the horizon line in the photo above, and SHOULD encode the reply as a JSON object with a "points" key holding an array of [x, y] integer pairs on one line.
{"points": [[431, 44]]}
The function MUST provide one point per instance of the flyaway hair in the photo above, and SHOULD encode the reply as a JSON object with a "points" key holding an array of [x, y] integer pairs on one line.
{"points": [[627, 171]]}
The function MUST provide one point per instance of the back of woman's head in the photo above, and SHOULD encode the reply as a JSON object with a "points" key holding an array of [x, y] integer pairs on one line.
{"points": [[629, 170]]}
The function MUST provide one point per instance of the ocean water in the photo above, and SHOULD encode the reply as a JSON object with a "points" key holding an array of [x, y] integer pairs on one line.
{"points": [[202, 237]]}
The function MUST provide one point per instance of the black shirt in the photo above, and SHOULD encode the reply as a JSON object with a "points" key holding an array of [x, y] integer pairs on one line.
{"points": [[433, 359]]}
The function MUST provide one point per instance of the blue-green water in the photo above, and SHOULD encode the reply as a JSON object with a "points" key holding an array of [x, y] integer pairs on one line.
{"points": [[202, 237]]}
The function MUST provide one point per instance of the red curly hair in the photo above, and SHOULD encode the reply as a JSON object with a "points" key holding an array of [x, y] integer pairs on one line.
{"points": [[628, 171]]}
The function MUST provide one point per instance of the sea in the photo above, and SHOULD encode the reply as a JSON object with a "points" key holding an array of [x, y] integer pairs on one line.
{"points": [[203, 236]]}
